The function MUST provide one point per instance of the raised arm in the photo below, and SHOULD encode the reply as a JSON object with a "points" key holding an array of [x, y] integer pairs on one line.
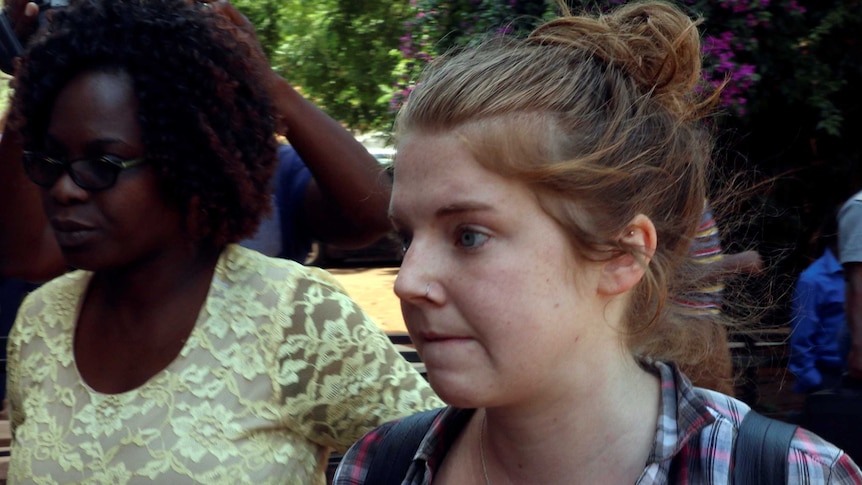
{"points": [[347, 199], [745, 262], [731, 265], [27, 246]]}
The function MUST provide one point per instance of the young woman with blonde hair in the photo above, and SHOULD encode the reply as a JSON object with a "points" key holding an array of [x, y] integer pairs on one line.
{"points": [[548, 190]]}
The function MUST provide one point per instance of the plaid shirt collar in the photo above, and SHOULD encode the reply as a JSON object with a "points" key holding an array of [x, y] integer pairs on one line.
{"points": [[683, 413]]}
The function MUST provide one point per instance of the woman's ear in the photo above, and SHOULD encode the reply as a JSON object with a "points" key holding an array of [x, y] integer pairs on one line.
{"points": [[623, 272]]}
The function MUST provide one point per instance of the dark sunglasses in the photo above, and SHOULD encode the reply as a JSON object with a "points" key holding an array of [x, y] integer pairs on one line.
{"points": [[93, 173]]}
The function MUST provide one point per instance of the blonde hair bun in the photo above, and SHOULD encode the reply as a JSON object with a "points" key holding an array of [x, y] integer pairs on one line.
{"points": [[654, 43]]}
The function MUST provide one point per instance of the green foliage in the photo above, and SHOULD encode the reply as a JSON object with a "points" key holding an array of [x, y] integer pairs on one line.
{"points": [[270, 20], [800, 53], [824, 61], [789, 106], [339, 53], [804, 50], [439, 26]]}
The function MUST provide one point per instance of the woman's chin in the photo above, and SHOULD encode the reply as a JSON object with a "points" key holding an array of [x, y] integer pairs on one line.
{"points": [[458, 390]]}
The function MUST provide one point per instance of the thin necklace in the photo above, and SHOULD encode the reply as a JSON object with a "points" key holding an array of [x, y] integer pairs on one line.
{"points": [[482, 448]]}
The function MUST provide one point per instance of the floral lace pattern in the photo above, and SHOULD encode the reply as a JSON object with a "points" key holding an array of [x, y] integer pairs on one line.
{"points": [[280, 367]]}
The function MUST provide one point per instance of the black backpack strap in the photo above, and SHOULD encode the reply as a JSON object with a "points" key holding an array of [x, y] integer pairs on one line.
{"points": [[397, 447], [762, 446]]}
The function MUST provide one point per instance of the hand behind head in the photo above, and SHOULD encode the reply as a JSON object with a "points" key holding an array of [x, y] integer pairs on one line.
{"points": [[23, 16], [244, 32]]}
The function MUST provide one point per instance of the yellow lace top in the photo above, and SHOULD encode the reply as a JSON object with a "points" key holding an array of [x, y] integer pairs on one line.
{"points": [[280, 367]]}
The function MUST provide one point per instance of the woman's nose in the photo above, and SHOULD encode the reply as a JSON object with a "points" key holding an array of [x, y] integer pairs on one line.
{"points": [[66, 191], [415, 278]]}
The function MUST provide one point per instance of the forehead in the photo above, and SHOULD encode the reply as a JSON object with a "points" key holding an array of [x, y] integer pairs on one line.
{"points": [[98, 88], [435, 171], [422, 156], [95, 105]]}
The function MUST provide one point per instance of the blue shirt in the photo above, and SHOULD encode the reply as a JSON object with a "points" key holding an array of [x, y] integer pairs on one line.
{"points": [[284, 232], [818, 317]]}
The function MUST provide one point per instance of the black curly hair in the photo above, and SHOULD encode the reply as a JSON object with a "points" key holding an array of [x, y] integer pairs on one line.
{"points": [[206, 122]]}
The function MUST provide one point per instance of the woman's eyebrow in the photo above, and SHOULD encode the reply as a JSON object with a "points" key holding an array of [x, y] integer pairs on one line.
{"points": [[461, 207], [453, 208], [92, 145]]}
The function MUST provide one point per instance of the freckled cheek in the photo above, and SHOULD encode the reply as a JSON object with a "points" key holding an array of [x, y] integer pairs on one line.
{"points": [[495, 310]]}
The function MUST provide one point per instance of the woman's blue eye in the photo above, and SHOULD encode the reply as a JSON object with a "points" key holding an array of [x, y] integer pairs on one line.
{"points": [[471, 239]]}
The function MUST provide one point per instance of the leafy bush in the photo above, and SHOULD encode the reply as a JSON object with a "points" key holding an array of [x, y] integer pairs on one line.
{"points": [[806, 50]]}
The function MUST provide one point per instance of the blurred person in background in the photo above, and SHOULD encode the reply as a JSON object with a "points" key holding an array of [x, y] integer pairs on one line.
{"points": [[818, 357], [850, 255]]}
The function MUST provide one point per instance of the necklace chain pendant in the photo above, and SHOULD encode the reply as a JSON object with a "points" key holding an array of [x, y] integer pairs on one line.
{"points": [[482, 447]]}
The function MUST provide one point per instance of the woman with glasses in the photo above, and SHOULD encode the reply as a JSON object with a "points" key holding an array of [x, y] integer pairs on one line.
{"points": [[173, 355]]}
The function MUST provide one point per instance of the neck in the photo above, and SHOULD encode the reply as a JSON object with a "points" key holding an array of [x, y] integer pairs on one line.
{"points": [[143, 313], [158, 279], [602, 434]]}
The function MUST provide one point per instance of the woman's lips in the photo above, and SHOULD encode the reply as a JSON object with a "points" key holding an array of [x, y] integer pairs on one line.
{"points": [[443, 351], [434, 337], [72, 233]]}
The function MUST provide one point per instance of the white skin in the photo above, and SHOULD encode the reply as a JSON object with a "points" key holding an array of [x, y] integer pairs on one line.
{"points": [[514, 322]]}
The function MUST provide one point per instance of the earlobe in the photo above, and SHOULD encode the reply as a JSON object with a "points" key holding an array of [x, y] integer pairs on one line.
{"points": [[623, 272]]}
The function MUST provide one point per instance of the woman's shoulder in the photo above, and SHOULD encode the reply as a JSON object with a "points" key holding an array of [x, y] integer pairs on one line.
{"points": [[246, 267], [815, 460], [290, 299], [354, 466], [726, 410], [811, 459], [75, 280], [63, 291], [50, 309], [402, 440]]}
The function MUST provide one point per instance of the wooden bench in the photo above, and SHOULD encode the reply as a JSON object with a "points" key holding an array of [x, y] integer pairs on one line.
{"points": [[760, 346]]}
